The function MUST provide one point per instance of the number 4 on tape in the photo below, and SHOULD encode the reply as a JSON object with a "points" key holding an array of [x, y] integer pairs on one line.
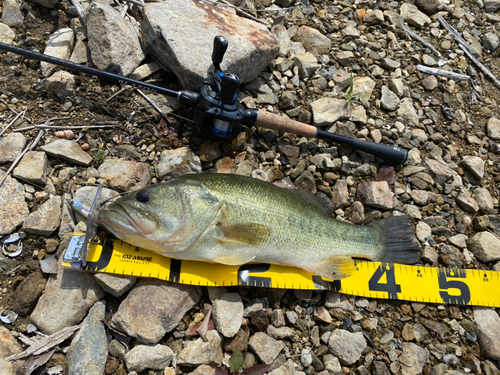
{"points": [[390, 286]]}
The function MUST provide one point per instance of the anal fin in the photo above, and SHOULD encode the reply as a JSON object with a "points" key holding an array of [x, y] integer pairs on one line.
{"points": [[336, 267], [234, 259]]}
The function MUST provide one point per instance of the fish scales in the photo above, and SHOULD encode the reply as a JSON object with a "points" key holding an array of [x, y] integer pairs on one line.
{"points": [[233, 219]]}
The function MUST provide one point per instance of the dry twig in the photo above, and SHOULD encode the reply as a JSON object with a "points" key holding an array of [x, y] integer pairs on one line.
{"points": [[457, 36], [13, 121], [421, 40], [443, 73], [480, 65]]}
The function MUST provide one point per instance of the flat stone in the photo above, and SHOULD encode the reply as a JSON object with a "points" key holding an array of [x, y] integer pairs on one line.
{"points": [[467, 203], [388, 100], [60, 84], [475, 165], [227, 314], [493, 128], [33, 167], [328, 110], [81, 53], [15, 210], [200, 352], [178, 162], [73, 292], [265, 347], [145, 70], [374, 17], [439, 171], [7, 35], [46, 219], [8, 347], [413, 358], [485, 246], [346, 346], [488, 330], [491, 5], [113, 40], [340, 194], [153, 308], [115, 285], [389, 63], [280, 333], [285, 44], [67, 150], [170, 35], [11, 146], [88, 351], [484, 200], [307, 64], [312, 38], [60, 45], [376, 194], [413, 16], [125, 175], [12, 15], [408, 112], [154, 357]]}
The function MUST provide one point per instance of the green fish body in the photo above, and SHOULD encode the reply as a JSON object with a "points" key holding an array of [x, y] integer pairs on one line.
{"points": [[232, 219]]}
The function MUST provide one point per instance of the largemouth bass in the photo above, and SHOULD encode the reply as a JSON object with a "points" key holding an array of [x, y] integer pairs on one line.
{"points": [[233, 220]]}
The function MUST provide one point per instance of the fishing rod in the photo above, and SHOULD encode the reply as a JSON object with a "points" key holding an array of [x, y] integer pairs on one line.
{"points": [[219, 113]]}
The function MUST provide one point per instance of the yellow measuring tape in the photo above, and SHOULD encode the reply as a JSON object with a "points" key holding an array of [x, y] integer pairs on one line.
{"points": [[371, 279]]}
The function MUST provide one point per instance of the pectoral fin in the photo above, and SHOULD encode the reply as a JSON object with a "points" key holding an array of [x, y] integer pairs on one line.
{"points": [[337, 267], [246, 234], [234, 259]]}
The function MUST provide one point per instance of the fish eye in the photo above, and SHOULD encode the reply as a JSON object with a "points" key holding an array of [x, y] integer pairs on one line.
{"points": [[142, 197]]}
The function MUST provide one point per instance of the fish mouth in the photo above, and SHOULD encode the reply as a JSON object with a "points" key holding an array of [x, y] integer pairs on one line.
{"points": [[117, 216]]}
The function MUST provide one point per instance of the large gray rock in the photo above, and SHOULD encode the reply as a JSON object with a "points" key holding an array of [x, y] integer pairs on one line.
{"points": [[67, 150], [201, 352], [155, 357], [46, 219], [328, 110], [485, 246], [178, 162], [346, 346], [88, 351], [11, 13], [228, 314], [312, 38], [153, 308], [125, 175], [68, 297], [7, 36], [185, 46], [113, 40], [413, 358], [265, 347], [60, 45], [11, 145], [488, 329], [34, 167], [15, 211]]}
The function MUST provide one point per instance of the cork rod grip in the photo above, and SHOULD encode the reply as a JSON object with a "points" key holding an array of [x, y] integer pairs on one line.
{"points": [[271, 121]]}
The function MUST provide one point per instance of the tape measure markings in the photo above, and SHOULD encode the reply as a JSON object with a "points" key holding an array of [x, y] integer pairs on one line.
{"points": [[370, 279]]}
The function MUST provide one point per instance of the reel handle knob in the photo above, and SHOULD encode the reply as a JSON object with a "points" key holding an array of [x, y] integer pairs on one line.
{"points": [[220, 47]]}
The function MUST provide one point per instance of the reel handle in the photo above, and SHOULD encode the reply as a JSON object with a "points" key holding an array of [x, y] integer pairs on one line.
{"points": [[220, 48]]}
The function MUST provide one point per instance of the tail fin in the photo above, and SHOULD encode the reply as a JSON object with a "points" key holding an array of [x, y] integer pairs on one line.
{"points": [[398, 239]]}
